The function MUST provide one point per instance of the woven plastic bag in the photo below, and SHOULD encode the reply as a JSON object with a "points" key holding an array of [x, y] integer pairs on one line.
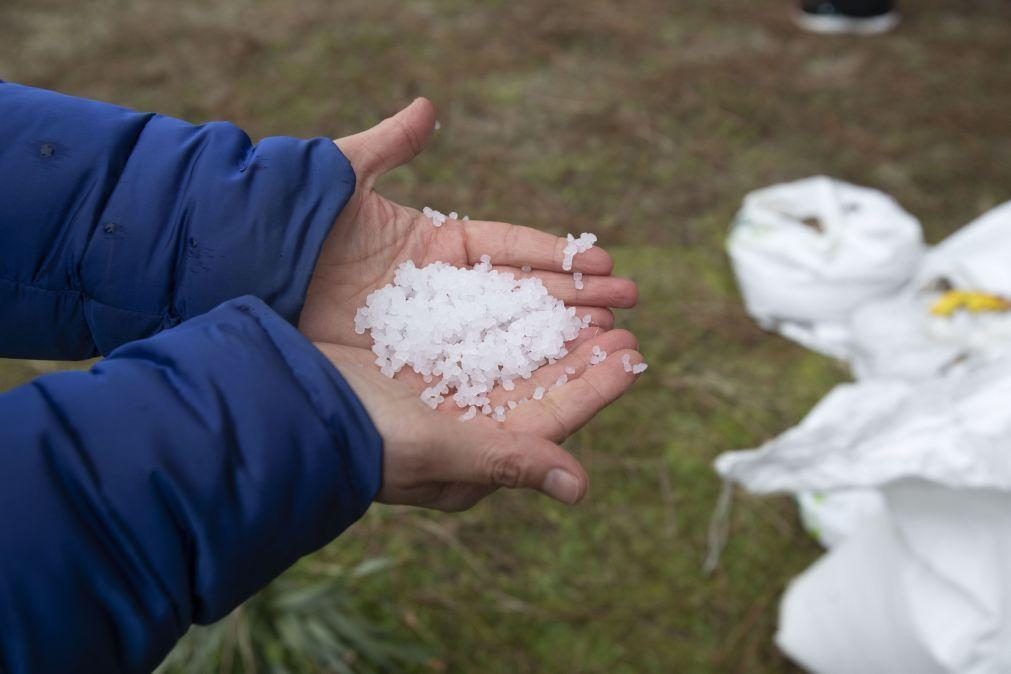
{"points": [[808, 253], [906, 474], [925, 584]]}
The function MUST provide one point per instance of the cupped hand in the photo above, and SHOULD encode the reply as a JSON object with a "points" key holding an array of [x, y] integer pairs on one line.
{"points": [[431, 458], [374, 235], [434, 459]]}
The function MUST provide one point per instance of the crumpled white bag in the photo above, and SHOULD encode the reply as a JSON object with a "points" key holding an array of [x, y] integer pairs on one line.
{"points": [[926, 585], [807, 253], [921, 592], [953, 430], [832, 516], [905, 475]]}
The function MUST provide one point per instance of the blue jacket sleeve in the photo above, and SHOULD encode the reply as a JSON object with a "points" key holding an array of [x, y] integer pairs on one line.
{"points": [[168, 484], [116, 224]]}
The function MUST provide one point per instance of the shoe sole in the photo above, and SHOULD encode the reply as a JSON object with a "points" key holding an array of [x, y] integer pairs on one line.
{"points": [[845, 25]]}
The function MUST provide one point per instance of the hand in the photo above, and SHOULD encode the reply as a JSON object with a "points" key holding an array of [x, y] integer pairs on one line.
{"points": [[430, 458], [373, 235]]}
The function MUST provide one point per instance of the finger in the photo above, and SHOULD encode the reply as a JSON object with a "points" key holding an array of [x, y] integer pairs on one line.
{"points": [[600, 317], [567, 408], [599, 291], [517, 246], [393, 142], [484, 455], [572, 366]]}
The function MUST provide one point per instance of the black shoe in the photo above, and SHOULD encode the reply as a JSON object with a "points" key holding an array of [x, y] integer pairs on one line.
{"points": [[857, 17]]}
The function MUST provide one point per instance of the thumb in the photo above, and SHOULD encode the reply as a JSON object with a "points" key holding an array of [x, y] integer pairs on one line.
{"points": [[503, 458], [392, 142]]}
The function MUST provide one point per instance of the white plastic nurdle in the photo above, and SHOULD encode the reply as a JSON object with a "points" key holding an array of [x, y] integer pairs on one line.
{"points": [[439, 219], [575, 246]]}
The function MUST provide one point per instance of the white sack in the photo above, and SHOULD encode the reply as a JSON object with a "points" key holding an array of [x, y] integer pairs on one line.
{"points": [[905, 475], [891, 336], [923, 590], [926, 585], [848, 615], [832, 516], [953, 430], [807, 253]]}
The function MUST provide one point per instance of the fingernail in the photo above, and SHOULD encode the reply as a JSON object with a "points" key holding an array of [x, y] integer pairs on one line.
{"points": [[562, 486]]}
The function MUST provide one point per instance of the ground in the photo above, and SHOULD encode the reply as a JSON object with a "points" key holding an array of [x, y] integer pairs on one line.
{"points": [[643, 121]]}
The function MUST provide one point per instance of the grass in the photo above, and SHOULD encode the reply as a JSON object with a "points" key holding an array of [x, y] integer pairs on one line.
{"points": [[646, 122]]}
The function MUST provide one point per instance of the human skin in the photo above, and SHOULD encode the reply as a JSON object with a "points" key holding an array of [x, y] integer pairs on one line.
{"points": [[432, 459]]}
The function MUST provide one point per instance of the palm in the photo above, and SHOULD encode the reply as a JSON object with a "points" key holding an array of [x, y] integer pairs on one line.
{"points": [[374, 235], [370, 239]]}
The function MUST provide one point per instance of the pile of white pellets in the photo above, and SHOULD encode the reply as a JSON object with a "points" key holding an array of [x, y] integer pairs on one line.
{"points": [[467, 331], [439, 219]]}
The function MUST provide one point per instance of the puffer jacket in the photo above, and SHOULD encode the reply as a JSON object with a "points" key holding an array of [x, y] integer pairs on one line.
{"points": [[214, 445]]}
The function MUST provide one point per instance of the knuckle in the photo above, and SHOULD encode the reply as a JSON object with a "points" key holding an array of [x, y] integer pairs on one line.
{"points": [[559, 253], [557, 418], [505, 469], [509, 240], [602, 400]]}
